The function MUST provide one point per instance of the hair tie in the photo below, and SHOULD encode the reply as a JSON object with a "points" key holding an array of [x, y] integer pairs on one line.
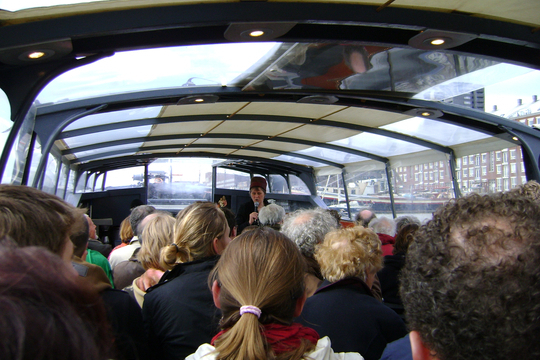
{"points": [[250, 309], [176, 246]]}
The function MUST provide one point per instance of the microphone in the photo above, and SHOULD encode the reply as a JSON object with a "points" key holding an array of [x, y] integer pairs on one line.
{"points": [[256, 206]]}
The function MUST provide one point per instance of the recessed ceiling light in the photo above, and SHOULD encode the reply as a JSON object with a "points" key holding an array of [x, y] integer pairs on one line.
{"points": [[515, 138], [36, 55], [199, 100], [437, 42], [256, 33], [426, 113]]}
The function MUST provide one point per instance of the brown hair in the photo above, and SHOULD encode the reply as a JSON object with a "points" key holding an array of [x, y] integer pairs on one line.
{"points": [[32, 217], [126, 232], [404, 238], [157, 233], [265, 269], [349, 252], [195, 229], [46, 312]]}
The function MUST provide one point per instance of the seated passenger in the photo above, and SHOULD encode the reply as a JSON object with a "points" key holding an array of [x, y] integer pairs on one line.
{"points": [[94, 243], [31, 217], [179, 312], [343, 307], [45, 313], [307, 229], [272, 215], [126, 233], [401, 221], [476, 263], [389, 275], [259, 285], [125, 253], [385, 229], [364, 216], [157, 234]]}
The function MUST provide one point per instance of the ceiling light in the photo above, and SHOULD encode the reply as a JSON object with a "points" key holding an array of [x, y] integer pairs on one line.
{"points": [[198, 99], [239, 32], [36, 55], [426, 113], [256, 33], [319, 99], [439, 40], [36, 52], [515, 138]]}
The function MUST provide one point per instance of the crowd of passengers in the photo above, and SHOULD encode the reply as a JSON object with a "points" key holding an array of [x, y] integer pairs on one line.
{"points": [[464, 285]]}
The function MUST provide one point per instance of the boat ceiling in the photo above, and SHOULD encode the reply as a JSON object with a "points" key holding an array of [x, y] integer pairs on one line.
{"points": [[338, 86]]}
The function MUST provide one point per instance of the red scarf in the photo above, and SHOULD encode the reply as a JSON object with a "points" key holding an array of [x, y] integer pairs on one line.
{"points": [[284, 338]]}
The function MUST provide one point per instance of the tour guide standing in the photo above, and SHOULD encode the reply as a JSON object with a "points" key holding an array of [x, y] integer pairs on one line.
{"points": [[248, 213]]}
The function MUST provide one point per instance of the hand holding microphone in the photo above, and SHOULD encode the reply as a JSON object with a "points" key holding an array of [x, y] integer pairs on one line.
{"points": [[253, 217]]}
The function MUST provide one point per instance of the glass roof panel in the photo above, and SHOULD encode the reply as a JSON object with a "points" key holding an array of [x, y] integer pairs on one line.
{"points": [[200, 65], [115, 117], [16, 5], [435, 131], [297, 160], [379, 145], [331, 155], [105, 136], [109, 149]]}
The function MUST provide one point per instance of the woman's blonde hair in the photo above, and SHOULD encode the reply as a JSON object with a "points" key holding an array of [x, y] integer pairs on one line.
{"points": [[157, 233], [126, 232], [265, 269], [349, 252], [195, 229]]}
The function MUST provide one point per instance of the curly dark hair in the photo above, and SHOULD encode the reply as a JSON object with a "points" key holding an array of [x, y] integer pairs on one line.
{"points": [[471, 283]]}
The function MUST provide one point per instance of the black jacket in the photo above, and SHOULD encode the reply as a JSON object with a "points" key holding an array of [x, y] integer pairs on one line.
{"points": [[179, 312], [389, 278], [242, 216], [352, 318]]}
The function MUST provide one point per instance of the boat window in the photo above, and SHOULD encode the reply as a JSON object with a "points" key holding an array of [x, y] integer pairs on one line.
{"points": [[99, 182], [62, 180], [422, 187], [232, 179], [176, 183], [5, 119], [90, 183], [51, 175], [114, 117], [14, 169], [278, 184], [81, 183], [125, 178], [298, 186]]}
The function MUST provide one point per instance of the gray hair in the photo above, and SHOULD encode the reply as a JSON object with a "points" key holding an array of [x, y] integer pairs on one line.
{"points": [[137, 215], [406, 220], [307, 228], [271, 214], [383, 225]]}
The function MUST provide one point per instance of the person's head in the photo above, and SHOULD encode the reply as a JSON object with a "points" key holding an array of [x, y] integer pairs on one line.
{"points": [[404, 238], [45, 311], [157, 234], [307, 228], [271, 214], [32, 217], [476, 262], [364, 216], [200, 230], [357, 58], [257, 189], [350, 252], [137, 215], [126, 232], [262, 268], [91, 228], [80, 238], [401, 221], [383, 225], [336, 216], [530, 189], [231, 221]]}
